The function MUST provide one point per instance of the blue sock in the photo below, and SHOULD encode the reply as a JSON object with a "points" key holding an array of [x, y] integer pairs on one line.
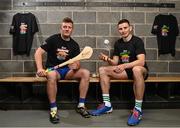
{"points": [[81, 102], [53, 106]]}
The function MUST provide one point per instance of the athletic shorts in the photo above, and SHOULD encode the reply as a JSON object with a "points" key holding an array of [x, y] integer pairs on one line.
{"points": [[63, 71], [130, 74]]}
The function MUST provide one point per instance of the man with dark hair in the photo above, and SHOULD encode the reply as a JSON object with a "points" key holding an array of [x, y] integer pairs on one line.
{"points": [[128, 62], [60, 48]]}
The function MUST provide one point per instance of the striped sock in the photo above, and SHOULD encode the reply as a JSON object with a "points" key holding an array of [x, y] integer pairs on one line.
{"points": [[106, 100], [81, 102], [138, 105]]}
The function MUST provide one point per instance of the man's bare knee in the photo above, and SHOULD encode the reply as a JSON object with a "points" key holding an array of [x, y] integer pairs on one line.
{"points": [[102, 70], [85, 73], [52, 76], [137, 70]]}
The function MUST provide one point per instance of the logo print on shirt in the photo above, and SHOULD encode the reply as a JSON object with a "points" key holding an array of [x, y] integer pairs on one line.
{"points": [[124, 56], [164, 30], [62, 53], [23, 28]]}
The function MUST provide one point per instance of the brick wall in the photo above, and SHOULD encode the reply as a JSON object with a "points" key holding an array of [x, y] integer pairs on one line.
{"points": [[92, 26]]}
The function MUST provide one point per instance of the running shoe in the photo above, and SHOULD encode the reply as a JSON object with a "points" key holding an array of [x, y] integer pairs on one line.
{"points": [[135, 117], [102, 109], [83, 112], [54, 117]]}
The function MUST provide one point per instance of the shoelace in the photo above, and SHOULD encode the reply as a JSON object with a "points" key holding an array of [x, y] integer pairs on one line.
{"points": [[135, 114]]}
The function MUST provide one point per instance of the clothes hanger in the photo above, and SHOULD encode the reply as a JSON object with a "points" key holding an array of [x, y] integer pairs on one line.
{"points": [[24, 6]]}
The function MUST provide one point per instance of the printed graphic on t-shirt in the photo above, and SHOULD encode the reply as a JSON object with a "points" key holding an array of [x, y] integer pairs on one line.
{"points": [[23, 28], [164, 30], [155, 27], [62, 53], [124, 56]]}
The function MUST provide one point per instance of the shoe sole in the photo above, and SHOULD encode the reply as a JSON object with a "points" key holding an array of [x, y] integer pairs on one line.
{"points": [[54, 122], [134, 124]]}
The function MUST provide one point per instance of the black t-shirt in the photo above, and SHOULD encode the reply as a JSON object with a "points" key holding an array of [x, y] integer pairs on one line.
{"points": [[23, 28], [166, 29], [128, 51], [55, 43]]}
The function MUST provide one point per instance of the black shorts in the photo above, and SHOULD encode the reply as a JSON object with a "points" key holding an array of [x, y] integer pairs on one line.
{"points": [[130, 74]]}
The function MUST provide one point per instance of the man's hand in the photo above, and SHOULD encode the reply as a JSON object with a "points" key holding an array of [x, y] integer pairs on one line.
{"points": [[103, 57], [119, 68], [41, 73]]}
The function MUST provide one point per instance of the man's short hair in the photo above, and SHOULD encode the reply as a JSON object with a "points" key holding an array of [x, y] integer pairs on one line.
{"points": [[124, 21], [67, 20]]}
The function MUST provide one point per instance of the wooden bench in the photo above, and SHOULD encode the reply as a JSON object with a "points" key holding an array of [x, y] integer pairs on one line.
{"points": [[92, 79]]}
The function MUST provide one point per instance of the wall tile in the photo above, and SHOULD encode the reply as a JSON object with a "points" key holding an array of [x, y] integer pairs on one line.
{"points": [[57, 16], [11, 66], [41, 16], [143, 30], [178, 42], [6, 17], [5, 5], [150, 17], [29, 66], [108, 17], [174, 67], [134, 17], [5, 54], [157, 66], [114, 30], [79, 30], [151, 54], [6, 42], [49, 29], [151, 42], [86, 41], [97, 29], [91, 66], [84, 17], [4, 29]]}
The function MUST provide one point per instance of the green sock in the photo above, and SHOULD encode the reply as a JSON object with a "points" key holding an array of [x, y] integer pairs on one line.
{"points": [[106, 100], [138, 105]]}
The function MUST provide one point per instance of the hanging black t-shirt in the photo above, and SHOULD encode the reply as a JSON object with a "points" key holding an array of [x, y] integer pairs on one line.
{"points": [[55, 43], [166, 29], [128, 51], [23, 28]]}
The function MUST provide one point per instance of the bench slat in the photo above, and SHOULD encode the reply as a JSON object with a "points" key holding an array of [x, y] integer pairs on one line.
{"points": [[92, 79]]}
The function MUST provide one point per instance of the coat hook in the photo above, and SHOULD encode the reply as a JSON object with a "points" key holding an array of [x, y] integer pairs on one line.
{"points": [[24, 3]]}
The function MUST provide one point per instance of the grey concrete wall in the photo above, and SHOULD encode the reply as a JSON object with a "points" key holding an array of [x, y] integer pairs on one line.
{"points": [[92, 26]]}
